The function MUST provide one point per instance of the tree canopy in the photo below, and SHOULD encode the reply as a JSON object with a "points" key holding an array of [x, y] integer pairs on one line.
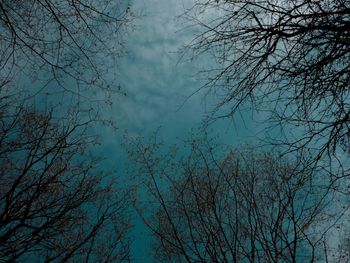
{"points": [[211, 203], [72, 44], [55, 204], [288, 58]]}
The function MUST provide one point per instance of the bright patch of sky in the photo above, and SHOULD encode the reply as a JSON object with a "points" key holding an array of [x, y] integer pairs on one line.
{"points": [[157, 83]]}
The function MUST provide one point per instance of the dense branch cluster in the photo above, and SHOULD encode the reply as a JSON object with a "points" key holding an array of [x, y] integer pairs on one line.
{"points": [[291, 58], [54, 204], [70, 41], [245, 206]]}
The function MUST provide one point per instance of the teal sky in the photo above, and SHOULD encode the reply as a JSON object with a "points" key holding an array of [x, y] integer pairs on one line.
{"points": [[157, 83], [160, 84]]}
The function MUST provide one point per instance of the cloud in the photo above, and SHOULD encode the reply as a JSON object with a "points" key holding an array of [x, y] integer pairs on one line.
{"points": [[156, 85]]}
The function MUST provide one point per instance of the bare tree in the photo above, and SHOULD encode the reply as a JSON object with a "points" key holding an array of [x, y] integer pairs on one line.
{"points": [[55, 203], [290, 58], [215, 205], [60, 43]]}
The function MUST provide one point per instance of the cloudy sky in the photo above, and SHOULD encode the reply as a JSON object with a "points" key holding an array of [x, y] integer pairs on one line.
{"points": [[161, 84], [157, 83]]}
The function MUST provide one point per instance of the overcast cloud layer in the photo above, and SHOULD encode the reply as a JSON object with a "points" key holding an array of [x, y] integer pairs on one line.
{"points": [[157, 84]]}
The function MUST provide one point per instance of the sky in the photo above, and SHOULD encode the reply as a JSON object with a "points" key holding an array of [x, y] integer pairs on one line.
{"points": [[158, 85]]}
